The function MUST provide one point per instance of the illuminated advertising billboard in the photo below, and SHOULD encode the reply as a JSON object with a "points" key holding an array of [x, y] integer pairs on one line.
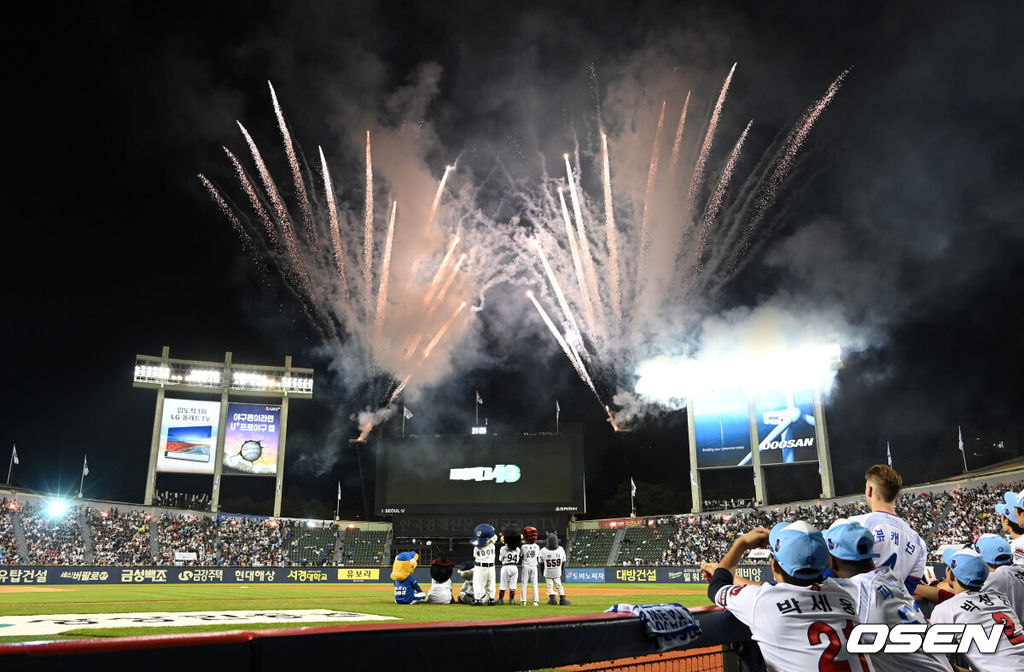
{"points": [[785, 427], [188, 436], [486, 473], [251, 439], [721, 427]]}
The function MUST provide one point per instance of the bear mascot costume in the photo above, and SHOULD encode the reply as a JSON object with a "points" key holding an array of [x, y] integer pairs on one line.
{"points": [[440, 581], [483, 540]]}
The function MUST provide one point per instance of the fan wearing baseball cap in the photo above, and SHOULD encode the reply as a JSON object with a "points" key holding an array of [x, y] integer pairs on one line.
{"points": [[1008, 512], [878, 593], [971, 603], [1004, 577], [801, 620]]}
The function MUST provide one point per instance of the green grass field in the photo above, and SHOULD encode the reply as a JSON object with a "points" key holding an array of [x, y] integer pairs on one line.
{"points": [[374, 599]]}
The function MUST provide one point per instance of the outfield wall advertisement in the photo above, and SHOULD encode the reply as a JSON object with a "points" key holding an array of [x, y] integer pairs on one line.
{"points": [[188, 436], [251, 439]]}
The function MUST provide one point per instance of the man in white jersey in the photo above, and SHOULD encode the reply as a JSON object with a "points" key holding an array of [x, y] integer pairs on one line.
{"points": [[1007, 510], [972, 604], [1004, 577], [483, 570], [800, 621], [552, 559], [531, 554], [899, 547], [879, 595]]}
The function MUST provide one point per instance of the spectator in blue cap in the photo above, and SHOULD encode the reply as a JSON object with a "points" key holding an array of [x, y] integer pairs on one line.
{"points": [[972, 603], [798, 618], [879, 594], [1004, 577]]}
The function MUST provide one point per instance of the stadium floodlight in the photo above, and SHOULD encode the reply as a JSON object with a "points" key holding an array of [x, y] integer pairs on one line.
{"points": [[56, 508]]}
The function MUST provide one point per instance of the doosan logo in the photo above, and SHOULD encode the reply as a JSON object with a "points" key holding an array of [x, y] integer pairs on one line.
{"points": [[791, 443], [934, 638]]}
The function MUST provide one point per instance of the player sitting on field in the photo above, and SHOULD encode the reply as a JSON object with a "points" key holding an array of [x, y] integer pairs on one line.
{"points": [[973, 604], [878, 594], [898, 546], [801, 621]]}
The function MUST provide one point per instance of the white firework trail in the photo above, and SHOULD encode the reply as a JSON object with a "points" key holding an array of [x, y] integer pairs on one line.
{"points": [[385, 274], [589, 271], [702, 158], [611, 234], [715, 202], [652, 179], [368, 229], [678, 142], [588, 308], [300, 185], [335, 229], [560, 295]]}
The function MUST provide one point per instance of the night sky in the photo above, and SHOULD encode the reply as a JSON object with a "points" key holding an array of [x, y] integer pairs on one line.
{"points": [[902, 220]]}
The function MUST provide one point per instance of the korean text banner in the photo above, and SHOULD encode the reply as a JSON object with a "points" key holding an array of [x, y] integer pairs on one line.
{"points": [[721, 428], [188, 436], [251, 439], [785, 427]]}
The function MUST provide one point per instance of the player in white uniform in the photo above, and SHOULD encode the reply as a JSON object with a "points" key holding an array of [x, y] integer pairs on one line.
{"points": [[878, 594], [972, 604], [483, 569], [509, 558], [552, 558], [899, 547], [801, 622], [1004, 577], [530, 554], [1014, 532]]}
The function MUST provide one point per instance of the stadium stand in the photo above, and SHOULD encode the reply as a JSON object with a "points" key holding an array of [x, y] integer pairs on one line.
{"points": [[52, 540], [252, 542], [312, 543], [363, 547], [120, 538], [186, 534], [591, 547], [646, 545], [8, 538]]}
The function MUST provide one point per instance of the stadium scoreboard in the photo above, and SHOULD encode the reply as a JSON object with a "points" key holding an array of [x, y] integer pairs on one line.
{"points": [[482, 473]]}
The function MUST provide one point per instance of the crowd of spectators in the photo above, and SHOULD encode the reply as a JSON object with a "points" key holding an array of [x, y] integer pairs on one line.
{"points": [[188, 535], [52, 539], [252, 542], [8, 541], [120, 538]]}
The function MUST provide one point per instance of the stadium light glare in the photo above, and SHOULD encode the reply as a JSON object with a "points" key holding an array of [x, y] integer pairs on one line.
{"points": [[56, 508]]}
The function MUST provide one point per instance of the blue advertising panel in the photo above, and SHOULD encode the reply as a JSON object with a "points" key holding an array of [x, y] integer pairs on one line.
{"points": [[721, 426], [786, 426], [251, 439], [584, 575], [188, 436]]}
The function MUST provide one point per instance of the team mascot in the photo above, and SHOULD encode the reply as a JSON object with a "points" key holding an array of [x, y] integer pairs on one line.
{"points": [[440, 581], [483, 559], [509, 558], [466, 591], [407, 591], [552, 557], [530, 553]]}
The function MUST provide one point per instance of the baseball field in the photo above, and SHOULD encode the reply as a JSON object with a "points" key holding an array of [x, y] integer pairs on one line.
{"points": [[51, 613]]}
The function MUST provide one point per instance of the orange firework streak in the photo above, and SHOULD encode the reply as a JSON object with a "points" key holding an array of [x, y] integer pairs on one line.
{"points": [[444, 327], [368, 228], [385, 271], [257, 204], [674, 161], [652, 178], [332, 210], [709, 137], [440, 269], [447, 286], [300, 185], [437, 197]]}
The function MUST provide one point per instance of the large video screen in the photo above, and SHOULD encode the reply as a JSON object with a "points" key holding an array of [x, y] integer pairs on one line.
{"points": [[188, 436], [251, 439], [721, 426], [457, 474], [786, 427]]}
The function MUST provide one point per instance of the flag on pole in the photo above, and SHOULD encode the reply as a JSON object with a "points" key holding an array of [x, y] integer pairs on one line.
{"points": [[479, 399], [339, 491], [14, 454], [960, 438], [85, 465], [632, 487], [406, 413], [693, 479], [558, 409], [888, 454]]}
